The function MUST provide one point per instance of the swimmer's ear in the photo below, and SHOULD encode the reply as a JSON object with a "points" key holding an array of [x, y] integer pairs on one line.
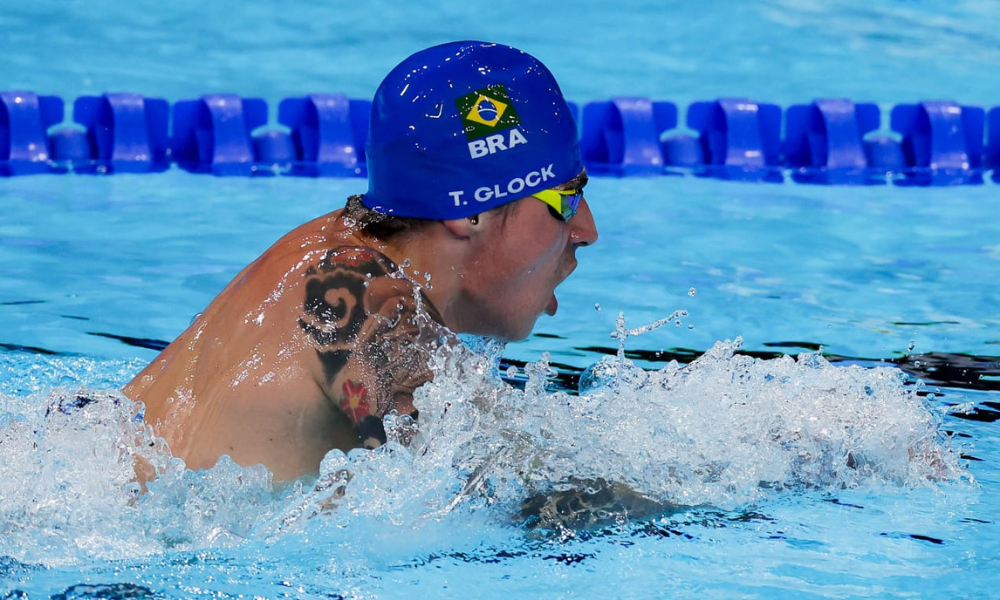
{"points": [[465, 227]]}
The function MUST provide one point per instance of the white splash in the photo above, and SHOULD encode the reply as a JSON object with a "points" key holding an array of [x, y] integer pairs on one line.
{"points": [[724, 431]]}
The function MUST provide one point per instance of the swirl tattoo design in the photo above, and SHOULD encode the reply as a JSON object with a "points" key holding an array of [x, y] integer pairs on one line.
{"points": [[358, 309], [334, 310]]}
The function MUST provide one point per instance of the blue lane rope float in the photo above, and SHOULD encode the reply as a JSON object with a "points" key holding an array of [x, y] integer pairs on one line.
{"points": [[829, 141]]}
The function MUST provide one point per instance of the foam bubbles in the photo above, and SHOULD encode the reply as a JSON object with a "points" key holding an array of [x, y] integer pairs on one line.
{"points": [[70, 492], [725, 431], [69, 463]]}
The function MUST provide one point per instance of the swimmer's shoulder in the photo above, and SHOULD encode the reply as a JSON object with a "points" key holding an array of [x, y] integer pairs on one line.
{"points": [[313, 244], [331, 241], [356, 257], [373, 279], [326, 253]]}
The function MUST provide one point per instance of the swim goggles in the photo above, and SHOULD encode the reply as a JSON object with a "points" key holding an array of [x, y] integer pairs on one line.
{"points": [[562, 203]]}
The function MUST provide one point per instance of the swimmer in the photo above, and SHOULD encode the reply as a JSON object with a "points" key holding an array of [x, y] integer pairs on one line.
{"points": [[473, 215]]}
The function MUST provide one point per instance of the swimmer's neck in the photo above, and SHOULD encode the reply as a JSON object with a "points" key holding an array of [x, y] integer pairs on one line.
{"points": [[441, 258]]}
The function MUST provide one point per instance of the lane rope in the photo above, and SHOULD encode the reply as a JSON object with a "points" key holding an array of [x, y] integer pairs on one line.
{"points": [[828, 141]]}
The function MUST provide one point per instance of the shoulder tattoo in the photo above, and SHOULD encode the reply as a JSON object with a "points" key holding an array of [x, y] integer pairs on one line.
{"points": [[333, 310], [359, 307]]}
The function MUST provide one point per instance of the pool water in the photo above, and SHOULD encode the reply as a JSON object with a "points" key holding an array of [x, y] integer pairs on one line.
{"points": [[884, 299]]}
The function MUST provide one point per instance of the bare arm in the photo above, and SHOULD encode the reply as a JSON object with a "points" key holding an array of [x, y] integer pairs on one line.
{"points": [[588, 503], [367, 324]]}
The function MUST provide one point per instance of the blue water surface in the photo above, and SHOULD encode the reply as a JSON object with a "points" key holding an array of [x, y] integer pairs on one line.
{"points": [[96, 273]]}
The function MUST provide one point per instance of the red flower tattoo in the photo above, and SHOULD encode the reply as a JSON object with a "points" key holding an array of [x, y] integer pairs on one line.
{"points": [[354, 404]]}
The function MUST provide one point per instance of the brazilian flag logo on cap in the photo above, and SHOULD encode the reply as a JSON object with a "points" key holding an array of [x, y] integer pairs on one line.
{"points": [[487, 111]]}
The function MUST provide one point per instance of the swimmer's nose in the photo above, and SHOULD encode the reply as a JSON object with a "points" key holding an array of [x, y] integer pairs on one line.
{"points": [[584, 232]]}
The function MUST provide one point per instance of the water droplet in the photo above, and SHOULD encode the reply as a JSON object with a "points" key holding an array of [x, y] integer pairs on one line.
{"points": [[690, 326], [512, 372], [911, 346], [692, 292], [597, 306]]}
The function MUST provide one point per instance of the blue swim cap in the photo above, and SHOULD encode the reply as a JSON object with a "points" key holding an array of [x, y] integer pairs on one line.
{"points": [[464, 127]]}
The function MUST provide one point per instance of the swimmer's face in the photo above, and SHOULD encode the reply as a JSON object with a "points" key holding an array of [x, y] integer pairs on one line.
{"points": [[526, 253]]}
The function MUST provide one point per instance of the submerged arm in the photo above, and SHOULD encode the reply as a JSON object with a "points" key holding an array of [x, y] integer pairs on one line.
{"points": [[588, 503]]}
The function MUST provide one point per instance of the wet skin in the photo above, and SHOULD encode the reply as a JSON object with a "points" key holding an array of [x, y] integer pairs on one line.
{"points": [[312, 343], [514, 276]]}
